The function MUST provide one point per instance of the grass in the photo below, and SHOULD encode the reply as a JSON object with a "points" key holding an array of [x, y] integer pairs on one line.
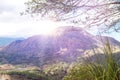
{"points": [[32, 75], [94, 70], [52, 72], [26, 74]]}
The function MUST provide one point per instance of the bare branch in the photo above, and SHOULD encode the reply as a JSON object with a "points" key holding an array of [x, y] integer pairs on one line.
{"points": [[87, 12]]}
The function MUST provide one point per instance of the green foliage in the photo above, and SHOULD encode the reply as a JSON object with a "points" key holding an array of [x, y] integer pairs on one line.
{"points": [[33, 75], [96, 71], [48, 72], [56, 71]]}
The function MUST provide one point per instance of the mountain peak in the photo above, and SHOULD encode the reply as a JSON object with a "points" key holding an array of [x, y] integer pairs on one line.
{"points": [[67, 46]]}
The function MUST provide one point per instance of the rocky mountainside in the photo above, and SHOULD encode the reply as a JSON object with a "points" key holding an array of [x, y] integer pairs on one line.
{"points": [[65, 44]]}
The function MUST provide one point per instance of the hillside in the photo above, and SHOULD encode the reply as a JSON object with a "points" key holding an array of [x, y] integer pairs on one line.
{"points": [[65, 44]]}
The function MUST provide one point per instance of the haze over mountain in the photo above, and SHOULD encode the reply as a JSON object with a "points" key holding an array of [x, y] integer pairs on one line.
{"points": [[7, 40], [65, 44]]}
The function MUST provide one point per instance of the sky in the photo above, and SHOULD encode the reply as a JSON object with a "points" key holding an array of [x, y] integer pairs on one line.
{"points": [[12, 24]]}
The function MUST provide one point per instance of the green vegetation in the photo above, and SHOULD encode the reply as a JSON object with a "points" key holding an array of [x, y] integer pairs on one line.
{"points": [[99, 66], [33, 75], [49, 72], [56, 71], [93, 70]]}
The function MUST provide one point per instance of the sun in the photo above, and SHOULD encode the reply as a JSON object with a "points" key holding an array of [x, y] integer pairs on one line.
{"points": [[43, 27], [45, 30]]}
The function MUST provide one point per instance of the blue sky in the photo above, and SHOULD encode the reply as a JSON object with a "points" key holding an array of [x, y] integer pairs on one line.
{"points": [[113, 33], [116, 35], [12, 24]]}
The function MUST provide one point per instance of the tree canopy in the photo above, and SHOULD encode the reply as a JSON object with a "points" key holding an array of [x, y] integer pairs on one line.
{"points": [[87, 13]]}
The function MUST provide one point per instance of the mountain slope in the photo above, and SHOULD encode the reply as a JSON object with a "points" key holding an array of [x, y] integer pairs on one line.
{"points": [[65, 44]]}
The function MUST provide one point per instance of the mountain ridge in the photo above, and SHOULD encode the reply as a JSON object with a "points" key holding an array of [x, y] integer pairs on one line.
{"points": [[65, 45]]}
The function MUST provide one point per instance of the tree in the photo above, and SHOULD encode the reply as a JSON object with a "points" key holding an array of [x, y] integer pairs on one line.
{"points": [[87, 13]]}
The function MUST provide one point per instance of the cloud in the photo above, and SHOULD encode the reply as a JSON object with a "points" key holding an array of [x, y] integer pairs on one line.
{"points": [[11, 5], [10, 18], [5, 7], [10, 10], [13, 24]]}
